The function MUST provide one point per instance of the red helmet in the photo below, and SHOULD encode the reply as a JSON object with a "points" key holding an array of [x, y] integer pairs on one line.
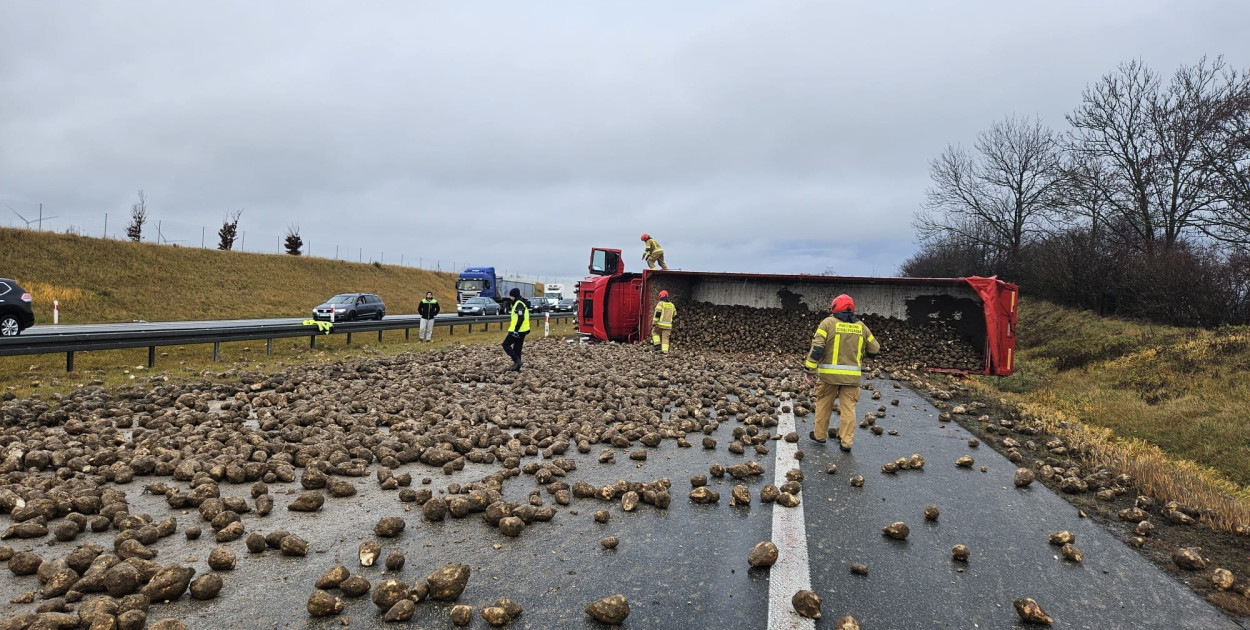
{"points": [[842, 303], [646, 237], [663, 294]]}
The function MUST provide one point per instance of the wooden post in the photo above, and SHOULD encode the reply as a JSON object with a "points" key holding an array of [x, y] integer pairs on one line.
{"points": [[349, 339], [69, 361], [151, 356]]}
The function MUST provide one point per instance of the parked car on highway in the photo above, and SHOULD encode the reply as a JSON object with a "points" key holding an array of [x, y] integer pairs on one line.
{"points": [[478, 306], [16, 312], [350, 307], [567, 305]]}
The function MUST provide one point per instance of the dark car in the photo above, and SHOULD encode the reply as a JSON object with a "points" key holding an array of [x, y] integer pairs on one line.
{"points": [[567, 305], [541, 305], [16, 313], [349, 307], [478, 306]]}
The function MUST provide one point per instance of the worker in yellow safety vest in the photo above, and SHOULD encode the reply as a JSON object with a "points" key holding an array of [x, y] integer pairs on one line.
{"points": [[662, 323], [518, 328], [653, 253], [838, 348]]}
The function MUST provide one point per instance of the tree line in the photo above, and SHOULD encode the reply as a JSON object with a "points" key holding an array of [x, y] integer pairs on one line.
{"points": [[226, 236], [1140, 207]]}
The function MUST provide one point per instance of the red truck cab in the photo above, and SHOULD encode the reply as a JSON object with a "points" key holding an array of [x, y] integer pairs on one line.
{"points": [[609, 300]]}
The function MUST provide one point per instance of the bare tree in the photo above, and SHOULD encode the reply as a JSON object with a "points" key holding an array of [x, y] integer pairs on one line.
{"points": [[138, 216], [229, 231], [1148, 140], [293, 241], [1228, 151], [1002, 195]]}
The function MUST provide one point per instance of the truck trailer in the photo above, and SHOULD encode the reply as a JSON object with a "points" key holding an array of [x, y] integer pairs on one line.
{"points": [[614, 305], [482, 282]]}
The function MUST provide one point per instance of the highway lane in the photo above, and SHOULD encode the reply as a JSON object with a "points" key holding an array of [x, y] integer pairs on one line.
{"points": [[685, 567]]}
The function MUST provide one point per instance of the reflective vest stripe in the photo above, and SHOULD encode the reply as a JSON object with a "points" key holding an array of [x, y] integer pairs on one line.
{"points": [[841, 370], [822, 333], [809, 364], [859, 352]]}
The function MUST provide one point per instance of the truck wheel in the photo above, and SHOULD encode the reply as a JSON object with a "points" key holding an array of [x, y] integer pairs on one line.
{"points": [[9, 326]]}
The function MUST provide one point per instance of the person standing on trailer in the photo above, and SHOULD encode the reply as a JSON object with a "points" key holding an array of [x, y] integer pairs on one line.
{"points": [[836, 357], [653, 253], [662, 323], [428, 310], [518, 328]]}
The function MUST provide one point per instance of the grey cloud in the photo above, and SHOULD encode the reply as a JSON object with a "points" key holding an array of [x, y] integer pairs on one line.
{"points": [[769, 136]]}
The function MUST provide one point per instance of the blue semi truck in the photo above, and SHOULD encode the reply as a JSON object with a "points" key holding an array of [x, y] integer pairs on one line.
{"points": [[482, 282]]}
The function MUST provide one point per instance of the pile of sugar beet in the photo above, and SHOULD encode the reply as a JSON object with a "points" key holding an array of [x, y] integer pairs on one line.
{"points": [[216, 456], [220, 450]]}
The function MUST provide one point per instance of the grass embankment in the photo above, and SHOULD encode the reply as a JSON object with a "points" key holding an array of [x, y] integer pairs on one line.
{"points": [[1164, 404], [98, 280]]}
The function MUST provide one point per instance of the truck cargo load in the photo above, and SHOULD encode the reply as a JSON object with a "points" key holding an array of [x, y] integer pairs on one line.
{"points": [[966, 325]]}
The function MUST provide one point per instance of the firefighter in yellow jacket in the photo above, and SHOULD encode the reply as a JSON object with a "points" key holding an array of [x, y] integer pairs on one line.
{"points": [[653, 253], [662, 323], [838, 349]]}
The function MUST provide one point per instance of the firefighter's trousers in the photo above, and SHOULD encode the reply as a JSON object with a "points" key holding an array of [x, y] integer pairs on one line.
{"points": [[845, 396], [656, 257], [659, 336]]}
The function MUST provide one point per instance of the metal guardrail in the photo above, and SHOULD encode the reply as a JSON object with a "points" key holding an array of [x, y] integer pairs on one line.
{"points": [[70, 343]]}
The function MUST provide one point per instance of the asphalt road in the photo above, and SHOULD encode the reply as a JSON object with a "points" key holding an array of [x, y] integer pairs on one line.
{"points": [[686, 567]]}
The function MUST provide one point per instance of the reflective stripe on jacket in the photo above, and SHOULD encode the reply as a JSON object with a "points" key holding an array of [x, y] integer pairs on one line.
{"points": [[653, 247], [520, 317], [840, 346], [664, 312], [429, 308]]}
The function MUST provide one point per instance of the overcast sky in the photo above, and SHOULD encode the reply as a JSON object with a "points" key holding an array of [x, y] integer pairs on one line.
{"points": [[777, 136]]}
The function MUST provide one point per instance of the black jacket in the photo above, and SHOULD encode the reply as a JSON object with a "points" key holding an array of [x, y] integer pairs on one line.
{"points": [[428, 309]]}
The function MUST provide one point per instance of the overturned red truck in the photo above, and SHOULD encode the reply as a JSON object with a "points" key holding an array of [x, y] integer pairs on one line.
{"points": [[614, 305]]}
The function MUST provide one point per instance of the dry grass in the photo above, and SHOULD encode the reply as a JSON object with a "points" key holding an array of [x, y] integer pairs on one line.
{"points": [[1163, 404], [99, 280]]}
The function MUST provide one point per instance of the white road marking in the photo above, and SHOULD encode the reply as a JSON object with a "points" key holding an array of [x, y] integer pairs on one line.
{"points": [[792, 573]]}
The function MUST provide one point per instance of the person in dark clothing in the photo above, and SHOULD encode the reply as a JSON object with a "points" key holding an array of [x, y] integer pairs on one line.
{"points": [[428, 310], [518, 328]]}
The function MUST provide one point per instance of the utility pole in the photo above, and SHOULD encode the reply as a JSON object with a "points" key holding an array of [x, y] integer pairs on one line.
{"points": [[41, 217], [201, 237], [106, 225], [243, 242]]}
